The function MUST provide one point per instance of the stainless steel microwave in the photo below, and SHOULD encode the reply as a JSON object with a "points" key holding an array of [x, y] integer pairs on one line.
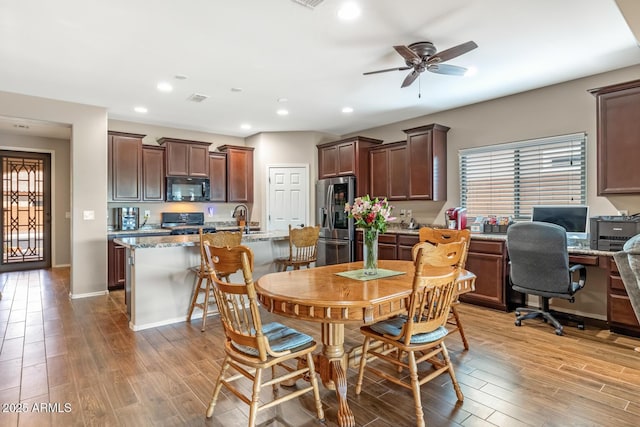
{"points": [[185, 189]]}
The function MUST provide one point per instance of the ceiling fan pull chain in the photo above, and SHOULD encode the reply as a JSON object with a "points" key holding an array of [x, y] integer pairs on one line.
{"points": [[419, 87]]}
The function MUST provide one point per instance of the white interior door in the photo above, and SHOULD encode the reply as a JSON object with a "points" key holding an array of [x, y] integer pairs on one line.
{"points": [[288, 197]]}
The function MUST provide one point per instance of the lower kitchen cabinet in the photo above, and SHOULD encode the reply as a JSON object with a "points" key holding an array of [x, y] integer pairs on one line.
{"points": [[116, 258], [488, 261], [620, 314], [386, 246], [405, 246]]}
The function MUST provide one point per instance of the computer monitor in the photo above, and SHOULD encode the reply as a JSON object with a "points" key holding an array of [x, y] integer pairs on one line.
{"points": [[574, 219]]}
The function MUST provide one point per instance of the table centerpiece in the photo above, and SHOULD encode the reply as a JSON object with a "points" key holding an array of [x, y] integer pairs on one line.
{"points": [[372, 217]]}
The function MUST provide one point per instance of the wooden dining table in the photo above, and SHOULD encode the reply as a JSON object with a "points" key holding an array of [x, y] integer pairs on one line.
{"points": [[321, 295]]}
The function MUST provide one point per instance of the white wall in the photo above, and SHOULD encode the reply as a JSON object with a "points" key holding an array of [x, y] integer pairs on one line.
{"points": [[88, 187], [60, 189]]}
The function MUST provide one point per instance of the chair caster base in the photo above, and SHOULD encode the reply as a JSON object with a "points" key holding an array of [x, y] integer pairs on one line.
{"points": [[518, 323], [559, 332]]}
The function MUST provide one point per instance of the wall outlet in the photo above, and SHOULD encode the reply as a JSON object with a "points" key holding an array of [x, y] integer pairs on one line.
{"points": [[409, 213], [402, 211], [623, 212], [147, 213]]}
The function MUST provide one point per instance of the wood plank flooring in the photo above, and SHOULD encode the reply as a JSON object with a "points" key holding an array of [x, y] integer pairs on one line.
{"points": [[76, 363]]}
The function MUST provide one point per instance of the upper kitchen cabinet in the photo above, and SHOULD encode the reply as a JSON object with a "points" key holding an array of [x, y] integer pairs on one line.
{"points": [[218, 177], [186, 158], [125, 166], [153, 175], [239, 173], [388, 171], [618, 118], [347, 157], [427, 162]]}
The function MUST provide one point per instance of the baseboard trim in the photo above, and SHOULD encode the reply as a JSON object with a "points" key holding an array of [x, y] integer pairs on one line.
{"points": [[88, 295]]}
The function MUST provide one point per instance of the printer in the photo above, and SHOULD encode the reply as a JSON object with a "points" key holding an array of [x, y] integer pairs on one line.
{"points": [[609, 233]]}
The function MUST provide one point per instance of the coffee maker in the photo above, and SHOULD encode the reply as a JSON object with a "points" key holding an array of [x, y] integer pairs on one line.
{"points": [[127, 218], [455, 218]]}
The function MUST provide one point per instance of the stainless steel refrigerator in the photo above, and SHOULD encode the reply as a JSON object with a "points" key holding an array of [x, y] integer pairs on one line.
{"points": [[337, 233]]}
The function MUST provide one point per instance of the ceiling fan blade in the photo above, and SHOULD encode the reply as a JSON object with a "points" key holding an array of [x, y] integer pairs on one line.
{"points": [[451, 53], [450, 70], [408, 54], [410, 78], [384, 71]]}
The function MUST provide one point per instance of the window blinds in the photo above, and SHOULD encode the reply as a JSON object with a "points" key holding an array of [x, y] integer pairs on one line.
{"points": [[509, 179]]}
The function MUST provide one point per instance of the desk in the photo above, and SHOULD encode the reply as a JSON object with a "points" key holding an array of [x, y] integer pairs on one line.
{"points": [[319, 295]]}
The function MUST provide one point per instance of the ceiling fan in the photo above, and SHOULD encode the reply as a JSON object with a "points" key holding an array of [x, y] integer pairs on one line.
{"points": [[423, 56]]}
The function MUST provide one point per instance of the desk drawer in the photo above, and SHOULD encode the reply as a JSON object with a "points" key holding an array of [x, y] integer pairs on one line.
{"points": [[584, 259], [487, 247]]}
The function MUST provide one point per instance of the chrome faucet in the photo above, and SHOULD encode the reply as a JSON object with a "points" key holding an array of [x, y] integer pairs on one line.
{"points": [[244, 211]]}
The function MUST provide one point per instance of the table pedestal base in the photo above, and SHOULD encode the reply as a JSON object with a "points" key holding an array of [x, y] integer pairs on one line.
{"points": [[331, 364]]}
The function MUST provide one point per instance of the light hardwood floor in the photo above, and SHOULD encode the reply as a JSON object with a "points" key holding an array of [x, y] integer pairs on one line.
{"points": [[80, 359]]}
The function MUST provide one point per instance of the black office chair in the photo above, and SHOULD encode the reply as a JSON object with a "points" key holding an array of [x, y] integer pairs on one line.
{"points": [[539, 265]]}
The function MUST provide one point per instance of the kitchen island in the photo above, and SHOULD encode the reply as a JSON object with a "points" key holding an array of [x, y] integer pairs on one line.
{"points": [[160, 278]]}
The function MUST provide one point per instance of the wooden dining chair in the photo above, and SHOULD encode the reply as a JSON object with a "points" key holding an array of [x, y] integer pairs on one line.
{"points": [[303, 248], [203, 284], [419, 335], [442, 235], [252, 347]]}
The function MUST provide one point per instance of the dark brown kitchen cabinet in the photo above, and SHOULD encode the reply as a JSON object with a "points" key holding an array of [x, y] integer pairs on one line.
{"points": [[488, 261], [186, 158], [427, 162], [618, 120], [218, 177], [125, 166], [386, 246], [239, 173], [153, 175], [347, 157], [388, 171], [405, 246], [620, 314], [116, 255]]}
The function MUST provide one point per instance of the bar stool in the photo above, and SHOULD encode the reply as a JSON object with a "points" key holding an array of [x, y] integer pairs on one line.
{"points": [[219, 239], [303, 248]]}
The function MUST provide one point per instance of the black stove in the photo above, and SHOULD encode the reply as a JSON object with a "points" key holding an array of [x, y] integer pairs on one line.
{"points": [[181, 223]]}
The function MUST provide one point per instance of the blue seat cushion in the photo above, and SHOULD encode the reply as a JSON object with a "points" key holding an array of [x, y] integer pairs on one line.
{"points": [[394, 326], [280, 337]]}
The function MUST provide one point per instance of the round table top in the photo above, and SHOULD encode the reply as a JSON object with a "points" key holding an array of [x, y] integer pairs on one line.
{"points": [[319, 294]]}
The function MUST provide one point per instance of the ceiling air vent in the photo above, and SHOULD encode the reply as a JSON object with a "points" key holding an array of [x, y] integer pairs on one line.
{"points": [[197, 97], [311, 4]]}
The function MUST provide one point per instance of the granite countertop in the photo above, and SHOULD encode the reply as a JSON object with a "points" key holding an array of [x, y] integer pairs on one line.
{"points": [[156, 230], [170, 241]]}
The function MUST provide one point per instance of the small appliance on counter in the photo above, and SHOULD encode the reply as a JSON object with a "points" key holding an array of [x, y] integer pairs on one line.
{"points": [[455, 218], [127, 218], [609, 233]]}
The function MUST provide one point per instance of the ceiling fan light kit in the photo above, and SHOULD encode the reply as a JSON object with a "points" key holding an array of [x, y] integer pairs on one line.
{"points": [[423, 56]]}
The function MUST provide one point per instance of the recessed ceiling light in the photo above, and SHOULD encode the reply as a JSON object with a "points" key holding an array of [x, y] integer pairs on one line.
{"points": [[347, 110], [283, 99], [245, 126], [282, 112], [140, 109], [164, 87], [471, 71], [349, 11]]}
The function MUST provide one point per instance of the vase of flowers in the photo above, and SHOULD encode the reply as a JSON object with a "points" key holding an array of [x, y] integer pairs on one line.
{"points": [[372, 217]]}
